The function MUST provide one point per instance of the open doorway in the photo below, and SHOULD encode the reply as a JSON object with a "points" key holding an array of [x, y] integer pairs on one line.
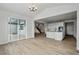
{"points": [[39, 29], [69, 29]]}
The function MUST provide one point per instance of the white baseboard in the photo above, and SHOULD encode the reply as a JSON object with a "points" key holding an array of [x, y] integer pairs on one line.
{"points": [[3, 43]]}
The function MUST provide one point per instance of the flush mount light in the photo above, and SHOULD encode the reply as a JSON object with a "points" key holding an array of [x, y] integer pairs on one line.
{"points": [[33, 8]]}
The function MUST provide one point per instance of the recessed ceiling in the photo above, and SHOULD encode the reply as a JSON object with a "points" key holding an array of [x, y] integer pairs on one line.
{"points": [[62, 17], [23, 8]]}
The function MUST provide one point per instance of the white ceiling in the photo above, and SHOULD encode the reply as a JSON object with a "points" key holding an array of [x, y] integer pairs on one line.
{"points": [[23, 8], [67, 16]]}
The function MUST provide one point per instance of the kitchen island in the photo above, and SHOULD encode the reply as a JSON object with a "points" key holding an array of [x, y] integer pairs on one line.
{"points": [[55, 35]]}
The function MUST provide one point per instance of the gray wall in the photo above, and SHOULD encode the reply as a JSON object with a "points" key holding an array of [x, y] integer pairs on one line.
{"points": [[30, 28]]}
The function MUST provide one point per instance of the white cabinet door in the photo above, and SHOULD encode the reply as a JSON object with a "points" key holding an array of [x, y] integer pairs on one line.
{"points": [[50, 35], [59, 36]]}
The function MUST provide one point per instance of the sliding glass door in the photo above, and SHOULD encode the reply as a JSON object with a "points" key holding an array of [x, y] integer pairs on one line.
{"points": [[22, 29], [16, 29]]}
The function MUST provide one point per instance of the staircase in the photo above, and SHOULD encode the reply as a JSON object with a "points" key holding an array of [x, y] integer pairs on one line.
{"points": [[38, 29]]}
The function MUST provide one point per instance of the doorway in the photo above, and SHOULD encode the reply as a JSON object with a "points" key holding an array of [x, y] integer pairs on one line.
{"points": [[69, 29], [39, 29]]}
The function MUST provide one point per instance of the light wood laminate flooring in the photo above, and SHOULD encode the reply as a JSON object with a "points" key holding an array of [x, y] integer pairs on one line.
{"points": [[40, 46]]}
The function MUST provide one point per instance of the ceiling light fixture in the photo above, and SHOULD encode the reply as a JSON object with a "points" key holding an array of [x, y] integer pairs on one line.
{"points": [[33, 8]]}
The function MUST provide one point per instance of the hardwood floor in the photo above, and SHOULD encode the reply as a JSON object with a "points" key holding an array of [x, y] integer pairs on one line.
{"points": [[40, 46]]}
